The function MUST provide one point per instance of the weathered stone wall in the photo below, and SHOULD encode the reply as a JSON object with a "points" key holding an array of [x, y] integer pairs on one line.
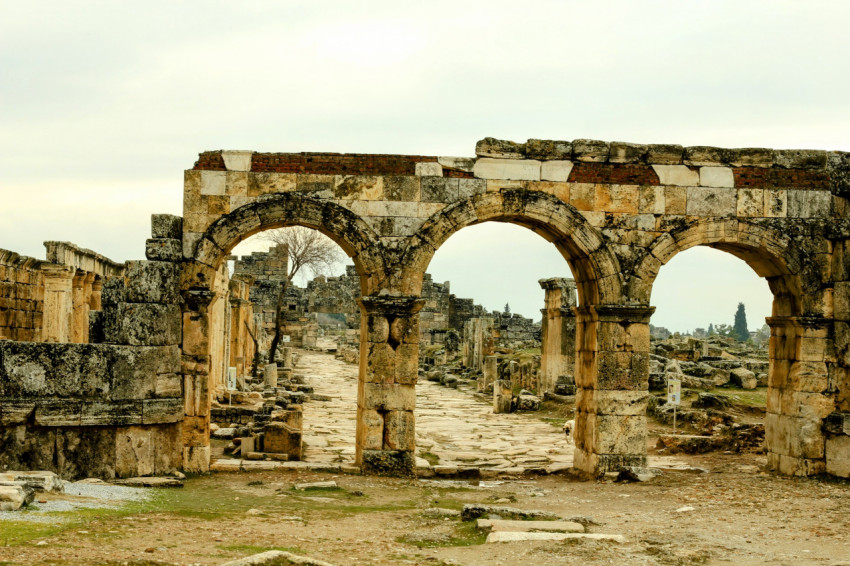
{"points": [[617, 212], [21, 297], [109, 408]]}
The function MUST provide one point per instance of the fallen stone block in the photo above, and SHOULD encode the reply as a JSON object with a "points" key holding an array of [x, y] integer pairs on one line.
{"points": [[637, 473], [316, 485], [38, 480], [499, 525], [152, 481], [276, 557], [503, 536], [472, 511], [13, 497]]}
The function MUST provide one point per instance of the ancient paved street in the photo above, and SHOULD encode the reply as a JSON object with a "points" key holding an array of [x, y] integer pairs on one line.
{"points": [[455, 426]]}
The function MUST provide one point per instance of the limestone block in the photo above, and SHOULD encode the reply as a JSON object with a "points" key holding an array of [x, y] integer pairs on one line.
{"points": [[678, 175], [359, 187], [470, 187], [501, 149], [583, 196], [164, 249], [705, 201], [134, 452], [280, 438], [793, 466], [508, 169], [617, 198], [675, 200], [796, 437], [556, 170], [439, 189], [429, 169], [152, 282], [651, 200], [213, 182], [611, 402], [41, 480], [406, 364], [319, 186], [196, 459], [664, 154], [169, 385], [370, 429], [806, 405], [270, 375], [800, 158], [50, 412], [622, 152], [838, 456], [716, 177], [236, 160], [387, 396], [397, 463], [775, 203], [590, 151], [402, 188], [111, 413], [808, 376], [236, 189], [502, 396], [809, 204], [166, 226], [611, 434], [750, 202], [190, 242], [162, 411], [380, 363], [149, 324], [618, 370], [270, 183], [464, 164], [548, 149], [704, 155], [743, 378], [399, 430], [13, 497], [751, 157]]}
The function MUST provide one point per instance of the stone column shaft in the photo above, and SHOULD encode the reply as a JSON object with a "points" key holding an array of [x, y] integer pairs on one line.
{"points": [[58, 303], [196, 377], [389, 366]]}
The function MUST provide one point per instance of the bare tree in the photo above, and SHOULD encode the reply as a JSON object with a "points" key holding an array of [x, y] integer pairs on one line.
{"points": [[308, 251]]}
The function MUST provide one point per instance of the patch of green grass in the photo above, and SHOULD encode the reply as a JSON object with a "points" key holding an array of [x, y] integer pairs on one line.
{"points": [[465, 534], [432, 458], [744, 397]]}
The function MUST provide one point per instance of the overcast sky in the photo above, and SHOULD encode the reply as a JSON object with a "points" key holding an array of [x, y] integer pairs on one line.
{"points": [[104, 104]]}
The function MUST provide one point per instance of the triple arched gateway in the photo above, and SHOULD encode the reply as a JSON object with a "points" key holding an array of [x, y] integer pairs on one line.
{"points": [[617, 212]]}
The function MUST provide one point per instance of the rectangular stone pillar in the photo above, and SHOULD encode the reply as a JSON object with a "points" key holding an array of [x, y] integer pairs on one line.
{"points": [[612, 379], [389, 366], [801, 350], [58, 303], [558, 333], [502, 395]]}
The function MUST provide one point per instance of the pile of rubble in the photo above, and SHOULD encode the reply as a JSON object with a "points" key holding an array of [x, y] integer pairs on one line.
{"points": [[264, 422]]}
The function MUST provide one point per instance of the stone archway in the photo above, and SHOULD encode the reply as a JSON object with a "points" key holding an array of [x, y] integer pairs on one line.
{"points": [[200, 292], [612, 336], [799, 333]]}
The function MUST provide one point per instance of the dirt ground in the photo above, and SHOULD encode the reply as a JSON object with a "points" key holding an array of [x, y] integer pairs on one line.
{"points": [[731, 514]]}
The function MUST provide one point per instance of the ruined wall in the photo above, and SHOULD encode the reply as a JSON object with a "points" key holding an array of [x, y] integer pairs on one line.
{"points": [[21, 297], [113, 407]]}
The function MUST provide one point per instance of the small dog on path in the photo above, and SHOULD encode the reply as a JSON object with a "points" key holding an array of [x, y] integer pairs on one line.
{"points": [[568, 430]]}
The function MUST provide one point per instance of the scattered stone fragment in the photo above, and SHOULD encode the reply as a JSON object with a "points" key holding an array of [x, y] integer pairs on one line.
{"points": [[636, 473], [316, 485], [685, 509], [472, 511], [503, 536], [276, 557], [497, 525], [152, 481], [441, 512], [13, 497]]}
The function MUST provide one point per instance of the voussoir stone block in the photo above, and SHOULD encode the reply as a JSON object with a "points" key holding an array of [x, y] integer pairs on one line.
{"points": [[508, 169]]}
